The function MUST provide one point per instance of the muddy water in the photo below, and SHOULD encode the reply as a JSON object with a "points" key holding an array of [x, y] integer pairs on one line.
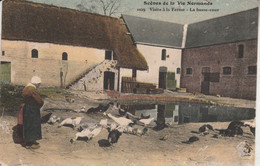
{"points": [[181, 112]]}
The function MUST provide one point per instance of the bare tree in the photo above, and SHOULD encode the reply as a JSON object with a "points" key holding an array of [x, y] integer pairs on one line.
{"points": [[106, 7]]}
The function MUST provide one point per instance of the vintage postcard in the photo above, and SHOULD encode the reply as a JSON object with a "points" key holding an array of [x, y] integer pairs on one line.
{"points": [[128, 82]]}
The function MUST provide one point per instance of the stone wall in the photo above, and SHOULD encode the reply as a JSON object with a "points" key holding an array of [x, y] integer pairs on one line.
{"points": [[94, 79], [238, 84]]}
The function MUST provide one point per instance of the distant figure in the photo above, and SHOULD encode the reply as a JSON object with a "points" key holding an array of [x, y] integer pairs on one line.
{"points": [[31, 114]]}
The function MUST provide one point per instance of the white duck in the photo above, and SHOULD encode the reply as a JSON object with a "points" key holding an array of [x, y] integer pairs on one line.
{"points": [[71, 121], [120, 120], [53, 119], [87, 134], [146, 121]]}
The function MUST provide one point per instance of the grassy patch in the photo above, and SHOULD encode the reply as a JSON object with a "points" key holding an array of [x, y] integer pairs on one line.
{"points": [[53, 92], [11, 95]]}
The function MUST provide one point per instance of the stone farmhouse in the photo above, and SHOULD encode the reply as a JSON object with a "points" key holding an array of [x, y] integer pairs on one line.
{"points": [[85, 51]]}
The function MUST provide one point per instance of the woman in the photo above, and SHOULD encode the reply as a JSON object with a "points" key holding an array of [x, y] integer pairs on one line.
{"points": [[31, 114]]}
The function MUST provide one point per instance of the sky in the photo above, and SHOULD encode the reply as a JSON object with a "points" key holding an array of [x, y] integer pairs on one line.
{"points": [[137, 7]]}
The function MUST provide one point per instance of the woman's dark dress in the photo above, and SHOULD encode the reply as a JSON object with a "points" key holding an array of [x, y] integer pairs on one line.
{"points": [[31, 114]]}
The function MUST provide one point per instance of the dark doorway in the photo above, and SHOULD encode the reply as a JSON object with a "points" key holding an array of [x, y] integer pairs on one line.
{"points": [[109, 80], [205, 84], [162, 77]]}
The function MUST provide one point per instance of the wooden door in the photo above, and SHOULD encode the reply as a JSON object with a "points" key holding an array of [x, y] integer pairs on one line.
{"points": [[109, 80], [5, 72]]}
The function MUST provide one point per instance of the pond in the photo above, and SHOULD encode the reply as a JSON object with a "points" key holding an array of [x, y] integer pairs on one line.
{"points": [[181, 112]]}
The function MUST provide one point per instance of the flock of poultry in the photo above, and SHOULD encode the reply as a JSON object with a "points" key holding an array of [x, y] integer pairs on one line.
{"points": [[86, 130], [124, 124]]}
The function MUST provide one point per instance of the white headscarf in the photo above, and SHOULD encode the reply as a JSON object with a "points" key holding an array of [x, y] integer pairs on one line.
{"points": [[36, 80]]}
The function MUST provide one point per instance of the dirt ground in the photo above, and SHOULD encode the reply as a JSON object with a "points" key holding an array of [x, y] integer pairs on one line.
{"points": [[130, 150]]}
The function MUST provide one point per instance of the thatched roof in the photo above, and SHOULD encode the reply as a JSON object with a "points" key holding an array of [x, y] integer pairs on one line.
{"points": [[35, 22]]}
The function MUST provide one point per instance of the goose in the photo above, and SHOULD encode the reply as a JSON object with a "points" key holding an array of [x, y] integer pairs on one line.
{"points": [[45, 118], [146, 121], [121, 120], [113, 136], [71, 122]]}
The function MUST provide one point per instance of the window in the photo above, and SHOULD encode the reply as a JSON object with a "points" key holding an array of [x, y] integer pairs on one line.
{"points": [[134, 73], [64, 56], [178, 70], [3, 53], [108, 55], [240, 51], [188, 70], [226, 70], [34, 53], [164, 54], [252, 70]]}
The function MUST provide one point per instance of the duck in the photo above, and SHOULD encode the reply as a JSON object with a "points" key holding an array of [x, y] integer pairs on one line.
{"points": [[120, 110], [87, 125], [205, 128], [87, 134], [113, 136], [191, 140], [102, 107], [234, 128], [45, 118], [146, 121], [72, 122], [251, 126], [113, 126], [103, 123], [144, 117], [104, 143], [53, 119], [82, 135], [139, 132], [120, 120]]}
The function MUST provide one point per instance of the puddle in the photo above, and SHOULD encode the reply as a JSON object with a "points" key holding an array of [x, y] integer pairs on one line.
{"points": [[181, 112]]}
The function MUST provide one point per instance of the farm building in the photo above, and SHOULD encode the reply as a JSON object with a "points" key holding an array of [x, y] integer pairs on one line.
{"points": [[63, 45], [220, 56]]}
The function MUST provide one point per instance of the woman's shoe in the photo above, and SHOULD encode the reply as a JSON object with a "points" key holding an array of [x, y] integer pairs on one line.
{"points": [[34, 146]]}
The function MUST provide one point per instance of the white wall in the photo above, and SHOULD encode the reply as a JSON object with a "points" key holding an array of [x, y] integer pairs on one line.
{"points": [[49, 63], [153, 55]]}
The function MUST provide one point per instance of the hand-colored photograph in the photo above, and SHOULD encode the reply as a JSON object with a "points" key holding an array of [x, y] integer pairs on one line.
{"points": [[128, 82]]}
